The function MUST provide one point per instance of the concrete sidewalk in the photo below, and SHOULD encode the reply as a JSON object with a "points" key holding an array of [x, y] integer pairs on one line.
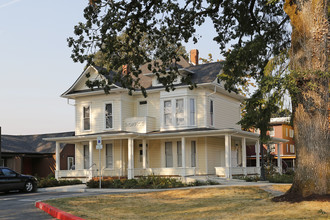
{"points": [[83, 187]]}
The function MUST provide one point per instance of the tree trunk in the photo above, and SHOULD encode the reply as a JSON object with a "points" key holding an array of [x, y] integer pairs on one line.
{"points": [[308, 57]]}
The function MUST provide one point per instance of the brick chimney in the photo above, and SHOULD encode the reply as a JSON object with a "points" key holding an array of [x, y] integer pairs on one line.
{"points": [[125, 69], [194, 57]]}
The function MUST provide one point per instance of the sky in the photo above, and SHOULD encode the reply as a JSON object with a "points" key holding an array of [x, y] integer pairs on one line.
{"points": [[36, 67]]}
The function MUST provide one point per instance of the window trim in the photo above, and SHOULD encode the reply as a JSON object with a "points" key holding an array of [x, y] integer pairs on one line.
{"points": [[104, 116]]}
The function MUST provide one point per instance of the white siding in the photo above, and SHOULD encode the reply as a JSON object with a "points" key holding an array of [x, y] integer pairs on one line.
{"points": [[216, 153], [97, 105], [226, 111]]}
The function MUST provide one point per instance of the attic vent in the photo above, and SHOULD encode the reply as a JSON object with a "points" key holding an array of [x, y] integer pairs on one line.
{"points": [[143, 102]]}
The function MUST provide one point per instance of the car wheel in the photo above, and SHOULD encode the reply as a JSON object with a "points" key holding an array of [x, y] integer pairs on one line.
{"points": [[29, 187]]}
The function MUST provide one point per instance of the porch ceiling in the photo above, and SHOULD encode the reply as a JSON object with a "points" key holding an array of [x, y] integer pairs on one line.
{"points": [[196, 132]]}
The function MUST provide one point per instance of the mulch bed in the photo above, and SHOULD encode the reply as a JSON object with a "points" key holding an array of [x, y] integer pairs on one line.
{"points": [[293, 198]]}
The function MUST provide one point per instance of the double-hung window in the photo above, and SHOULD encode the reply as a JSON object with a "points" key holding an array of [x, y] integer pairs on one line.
{"points": [[109, 155], [86, 118], [168, 154], [193, 153], [179, 114], [192, 111], [167, 113], [291, 148], [211, 113], [179, 153], [108, 116], [86, 157]]}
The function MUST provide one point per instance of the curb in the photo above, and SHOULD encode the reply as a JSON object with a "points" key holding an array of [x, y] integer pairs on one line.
{"points": [[56, 213]]}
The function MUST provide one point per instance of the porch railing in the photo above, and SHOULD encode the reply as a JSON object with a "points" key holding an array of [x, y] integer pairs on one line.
{"points": [[85, 173]]}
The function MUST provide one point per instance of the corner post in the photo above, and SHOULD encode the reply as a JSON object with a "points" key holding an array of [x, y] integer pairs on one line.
{"points": [[90, 159], [144, 153], [130, 170], [58, 159], [228, 156], [183, 145], [244, 156]]}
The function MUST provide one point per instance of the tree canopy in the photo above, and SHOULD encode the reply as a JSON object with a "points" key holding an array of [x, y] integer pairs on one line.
{"points": [[255, 38]]}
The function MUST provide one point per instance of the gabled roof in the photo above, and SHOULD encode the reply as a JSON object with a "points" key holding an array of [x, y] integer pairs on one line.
{"points": [[30, 143], [205, 73], [201, 74]]}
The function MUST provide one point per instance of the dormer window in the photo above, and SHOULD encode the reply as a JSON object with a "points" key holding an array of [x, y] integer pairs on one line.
{"points": [[155, 81], [86, 118]]}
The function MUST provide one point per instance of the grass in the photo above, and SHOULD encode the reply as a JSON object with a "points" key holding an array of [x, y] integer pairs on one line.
{"points": [[281, 188], [207, 203]]}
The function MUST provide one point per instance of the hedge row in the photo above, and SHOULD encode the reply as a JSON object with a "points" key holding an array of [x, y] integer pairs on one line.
{"points": [[148, 182]]}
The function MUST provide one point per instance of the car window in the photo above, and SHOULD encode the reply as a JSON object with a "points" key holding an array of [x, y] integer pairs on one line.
{"points": [[1, 173], [8, 172]]}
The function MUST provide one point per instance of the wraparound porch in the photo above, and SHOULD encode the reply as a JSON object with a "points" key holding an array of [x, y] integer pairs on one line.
{"points": [[219, 152]]}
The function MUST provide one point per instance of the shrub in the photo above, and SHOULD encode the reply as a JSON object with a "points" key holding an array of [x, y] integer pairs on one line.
{"points": [[251, 178], [147, 182], [50, 181], [278, 178]]}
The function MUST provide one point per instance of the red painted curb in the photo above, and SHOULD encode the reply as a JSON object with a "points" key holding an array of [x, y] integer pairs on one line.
{"points": [[55, 212]]}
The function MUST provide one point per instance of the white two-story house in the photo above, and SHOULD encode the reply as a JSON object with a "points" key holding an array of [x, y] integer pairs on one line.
{"points": [[179, 133]]}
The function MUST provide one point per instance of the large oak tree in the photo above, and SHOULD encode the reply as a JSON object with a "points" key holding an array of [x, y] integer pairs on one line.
{"points": [[253, 35]]}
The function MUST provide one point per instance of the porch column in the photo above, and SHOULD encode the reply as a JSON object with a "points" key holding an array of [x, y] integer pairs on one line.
{"points": [[244, 156], [183, 146], [279, 159], [228, 155], [257, 146], [144, 156], [58, 160], [130, 170], [90, 159]]}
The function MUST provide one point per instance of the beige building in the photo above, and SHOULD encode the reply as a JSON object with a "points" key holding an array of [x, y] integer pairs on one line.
{"points": [[179, 133]]}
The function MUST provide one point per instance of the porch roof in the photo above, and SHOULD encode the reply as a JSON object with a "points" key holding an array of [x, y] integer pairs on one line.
{"points": [[194, 132]]}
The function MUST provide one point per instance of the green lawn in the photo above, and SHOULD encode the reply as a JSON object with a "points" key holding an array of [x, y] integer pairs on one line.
{"points": [[207, 203]]}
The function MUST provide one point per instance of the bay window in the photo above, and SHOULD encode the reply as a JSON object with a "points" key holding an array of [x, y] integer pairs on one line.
{"points": [[167, 113], [192, 112], [179, 112]]}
